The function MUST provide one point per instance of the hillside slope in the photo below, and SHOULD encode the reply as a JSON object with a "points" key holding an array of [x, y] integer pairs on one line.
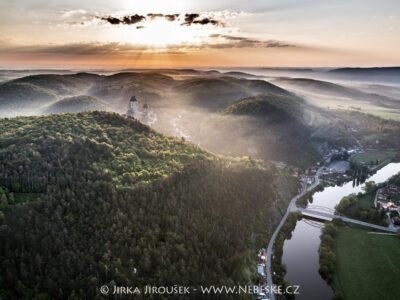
{"points": [[27, 94], [74, 105], [334, 90], [16, 96], [268, 104], [279, 129], [118, 88], [371, 131], [96, 195], [319, 86], [205, 90], [214, 93]]}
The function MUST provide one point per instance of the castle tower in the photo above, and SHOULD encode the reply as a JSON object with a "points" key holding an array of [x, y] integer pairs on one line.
{"points": [[132, 108]]}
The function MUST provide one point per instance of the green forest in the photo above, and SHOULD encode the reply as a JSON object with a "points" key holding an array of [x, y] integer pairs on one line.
{"points": [[87, 198]]}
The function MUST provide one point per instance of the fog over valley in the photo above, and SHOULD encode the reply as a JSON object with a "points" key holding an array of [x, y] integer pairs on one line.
{"points": [[270, 114]]}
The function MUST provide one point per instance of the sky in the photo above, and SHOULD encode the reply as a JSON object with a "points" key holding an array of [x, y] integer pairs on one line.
{"points": [[198, 33]]}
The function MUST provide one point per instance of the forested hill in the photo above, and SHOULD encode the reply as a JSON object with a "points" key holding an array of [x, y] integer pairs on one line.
{"points": [[86, 198]]}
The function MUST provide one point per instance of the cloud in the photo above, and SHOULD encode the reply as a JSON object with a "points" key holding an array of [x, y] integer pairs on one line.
{"points": [[155, 16], [229, 41], [172, 17], [197, 19], [87, 53], [127, 20], [112, 20], [206, 21], [72, 49], [73, 13], [168, 17], [188, 19], [8, 48], [81, 17], [97, 49], [77, 17]]}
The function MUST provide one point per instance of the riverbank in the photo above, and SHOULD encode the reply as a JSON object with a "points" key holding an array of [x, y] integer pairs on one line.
{"points": [[307, 197], [301, 252], [291, 206], [279, 269]]}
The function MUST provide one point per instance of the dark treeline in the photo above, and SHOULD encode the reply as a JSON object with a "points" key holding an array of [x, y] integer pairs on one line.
{"points": [[359, 172], [113, 196], [395, 179], [327, 255], [307, 198]]}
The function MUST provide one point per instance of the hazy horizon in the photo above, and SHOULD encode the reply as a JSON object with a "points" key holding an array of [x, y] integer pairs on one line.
{"points": [[223, 68]]}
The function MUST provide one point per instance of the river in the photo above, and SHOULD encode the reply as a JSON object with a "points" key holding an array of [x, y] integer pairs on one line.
{"points": [[300, 253]]}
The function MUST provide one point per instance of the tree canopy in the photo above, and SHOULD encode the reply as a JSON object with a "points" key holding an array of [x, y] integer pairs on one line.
{"points": [[89, 197]]}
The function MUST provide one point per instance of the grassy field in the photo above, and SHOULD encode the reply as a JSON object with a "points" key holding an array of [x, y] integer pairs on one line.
{"points": [[372, 156], [368, 265]]}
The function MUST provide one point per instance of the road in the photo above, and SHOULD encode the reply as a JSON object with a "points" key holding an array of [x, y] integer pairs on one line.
{"points": [[291, 207]]}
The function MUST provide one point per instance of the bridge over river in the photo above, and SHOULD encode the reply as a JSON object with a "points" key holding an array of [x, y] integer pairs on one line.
{"points": [[327, 216]]}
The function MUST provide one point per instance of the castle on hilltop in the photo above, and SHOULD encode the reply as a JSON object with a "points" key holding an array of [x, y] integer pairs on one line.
{"points": [[132, 107], [139, 112]]}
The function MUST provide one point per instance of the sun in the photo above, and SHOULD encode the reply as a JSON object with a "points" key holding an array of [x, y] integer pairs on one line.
{"points": [[161, 34], [157, 33]]}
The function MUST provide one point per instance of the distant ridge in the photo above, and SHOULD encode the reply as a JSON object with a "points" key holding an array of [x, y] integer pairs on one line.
{"points": [[365, 70], [373, 74], [290, 69]]}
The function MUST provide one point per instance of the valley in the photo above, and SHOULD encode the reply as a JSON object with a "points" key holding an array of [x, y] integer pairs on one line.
{"points": [[185, 186], [213, 110]]}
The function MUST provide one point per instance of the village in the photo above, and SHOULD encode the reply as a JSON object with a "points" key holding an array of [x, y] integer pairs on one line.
{"points": [[261, 272], [342, 165], [388, 199], [336, 168]]}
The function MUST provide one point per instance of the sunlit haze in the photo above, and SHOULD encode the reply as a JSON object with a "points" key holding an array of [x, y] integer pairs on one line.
{"points": [[125, 34]]}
